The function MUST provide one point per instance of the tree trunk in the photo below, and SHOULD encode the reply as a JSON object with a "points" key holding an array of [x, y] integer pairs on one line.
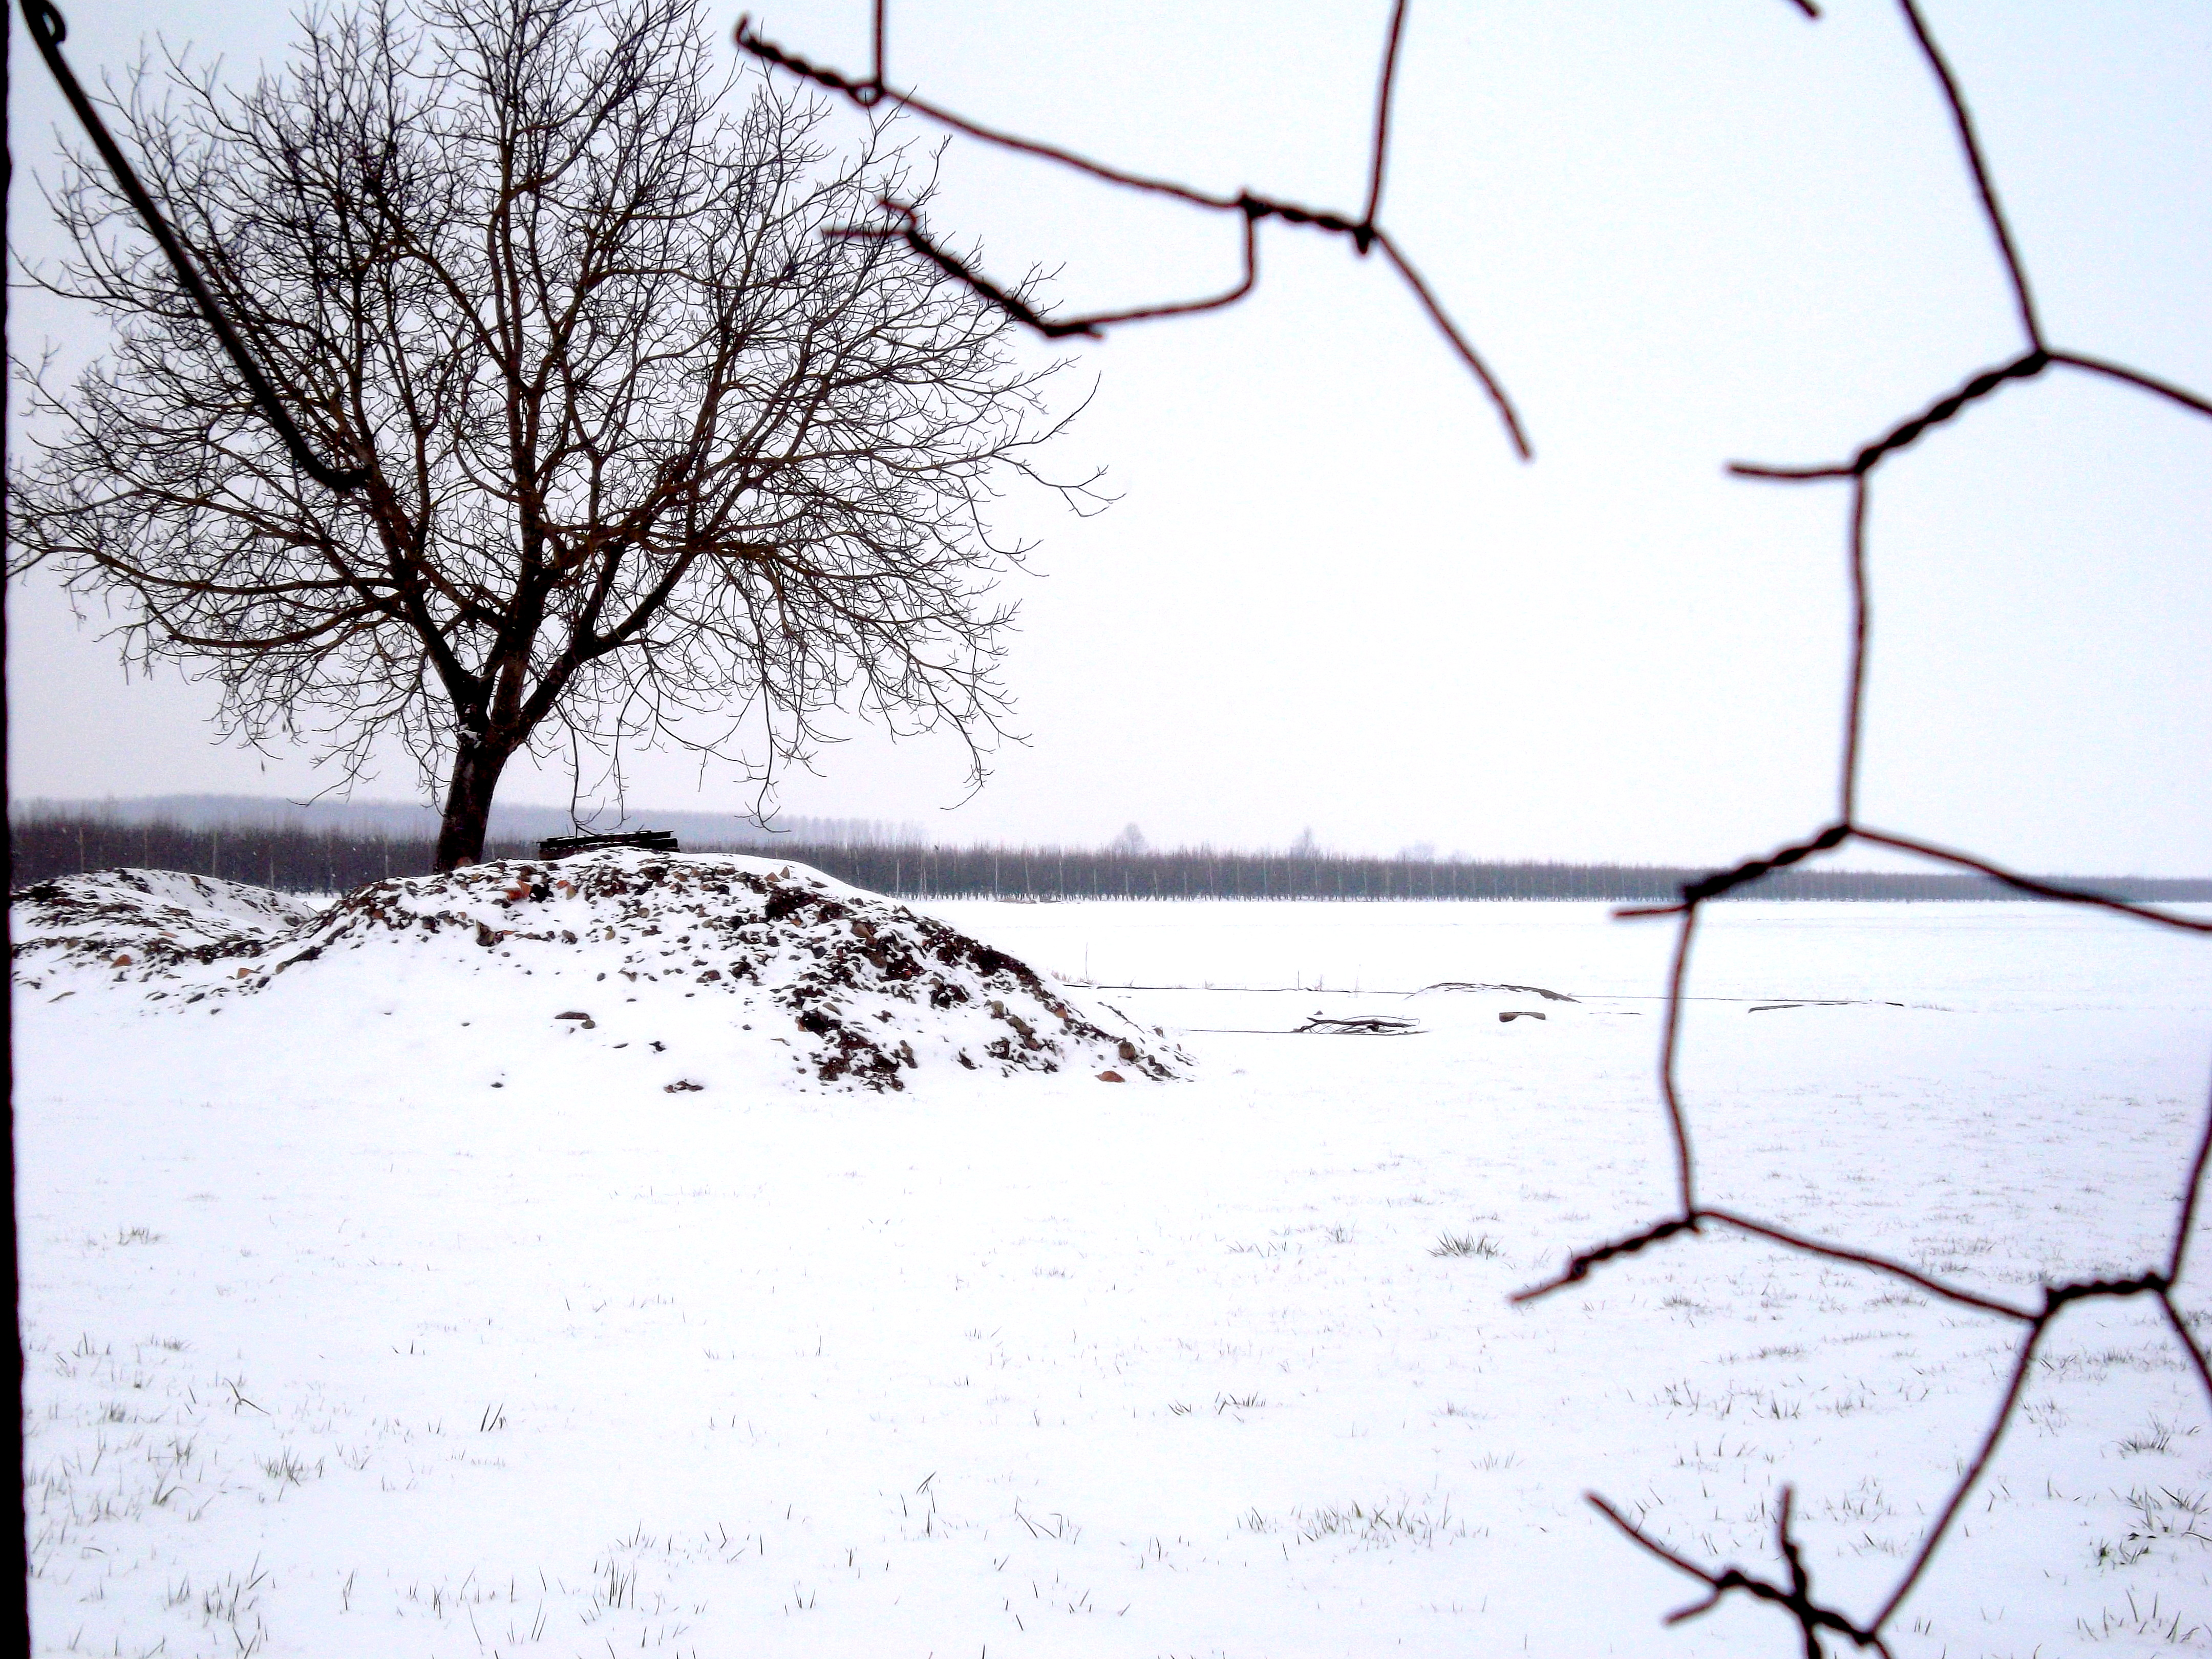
{"points": [[468, 803]]}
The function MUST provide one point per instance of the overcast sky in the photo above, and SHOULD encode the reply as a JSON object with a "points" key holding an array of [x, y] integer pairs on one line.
{"points": [[1330, 595]]}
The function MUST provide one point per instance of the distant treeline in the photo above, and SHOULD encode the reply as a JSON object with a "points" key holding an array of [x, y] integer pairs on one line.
{"points": [[290, 857], [415, 820], [295, 859]]}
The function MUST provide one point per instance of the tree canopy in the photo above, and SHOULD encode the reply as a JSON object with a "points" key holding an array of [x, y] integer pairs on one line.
{"points": [[646, 438]]}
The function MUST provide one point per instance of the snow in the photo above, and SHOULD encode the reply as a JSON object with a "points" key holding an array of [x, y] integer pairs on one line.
{"points": [[336, 1348]]}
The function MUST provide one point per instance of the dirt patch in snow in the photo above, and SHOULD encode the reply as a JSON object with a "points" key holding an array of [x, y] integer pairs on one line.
{"points": [[859, 987]]}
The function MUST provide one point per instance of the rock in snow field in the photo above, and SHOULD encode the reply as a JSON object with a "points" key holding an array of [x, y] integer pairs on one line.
{"points": [[616, 1256]]}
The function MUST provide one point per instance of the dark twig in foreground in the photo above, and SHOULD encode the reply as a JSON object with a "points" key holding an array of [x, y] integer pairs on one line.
{"points": [[1796, 1601], [1364, 233]]}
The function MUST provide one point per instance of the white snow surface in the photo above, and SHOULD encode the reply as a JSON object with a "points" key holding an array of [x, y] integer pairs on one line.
{"points": [[335, 1348]]}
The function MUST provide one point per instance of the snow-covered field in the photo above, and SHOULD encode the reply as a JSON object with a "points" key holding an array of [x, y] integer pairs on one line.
{"points": [[385, 1313]]}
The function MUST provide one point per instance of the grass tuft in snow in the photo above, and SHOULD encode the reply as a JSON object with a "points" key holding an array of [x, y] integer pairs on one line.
{"points": [[2153, 1621], [2157, 1438]]}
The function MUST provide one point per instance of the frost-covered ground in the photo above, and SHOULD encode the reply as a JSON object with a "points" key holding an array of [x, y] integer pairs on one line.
{"points": [[337, 1348]]}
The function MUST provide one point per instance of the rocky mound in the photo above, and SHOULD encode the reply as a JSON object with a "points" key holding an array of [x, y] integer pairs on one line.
{"points": [[858, 988], [144, 923]]}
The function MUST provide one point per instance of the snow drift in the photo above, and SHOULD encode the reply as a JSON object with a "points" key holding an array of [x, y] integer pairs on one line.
{"points": [[858, 988]]}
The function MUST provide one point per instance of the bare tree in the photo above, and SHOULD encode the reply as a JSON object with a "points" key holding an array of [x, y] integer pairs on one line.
{"points": [[645, 438]]}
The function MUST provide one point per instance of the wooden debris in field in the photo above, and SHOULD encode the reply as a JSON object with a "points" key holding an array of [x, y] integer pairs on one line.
{"points": [[1322, 1025]]}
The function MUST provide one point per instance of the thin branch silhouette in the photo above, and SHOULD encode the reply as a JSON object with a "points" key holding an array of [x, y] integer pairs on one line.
{"points": [[1963, 118], [1815, 1620], [1860, 471], [1364, 233], [48, 30], [1382, 122], [1796, 1600]]}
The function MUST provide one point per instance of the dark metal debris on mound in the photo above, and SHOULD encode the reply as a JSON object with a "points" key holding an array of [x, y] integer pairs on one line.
{"points": [[649, 840]]}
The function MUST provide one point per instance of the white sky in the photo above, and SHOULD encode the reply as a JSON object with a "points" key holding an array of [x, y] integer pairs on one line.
{"points": [[1330, 595]]}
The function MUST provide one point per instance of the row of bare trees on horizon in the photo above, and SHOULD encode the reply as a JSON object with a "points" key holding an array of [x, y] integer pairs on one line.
{"points": [[292, 857]]}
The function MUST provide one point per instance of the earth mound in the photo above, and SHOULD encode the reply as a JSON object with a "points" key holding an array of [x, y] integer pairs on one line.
{"points": [[858, 987], [144, 923]]}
